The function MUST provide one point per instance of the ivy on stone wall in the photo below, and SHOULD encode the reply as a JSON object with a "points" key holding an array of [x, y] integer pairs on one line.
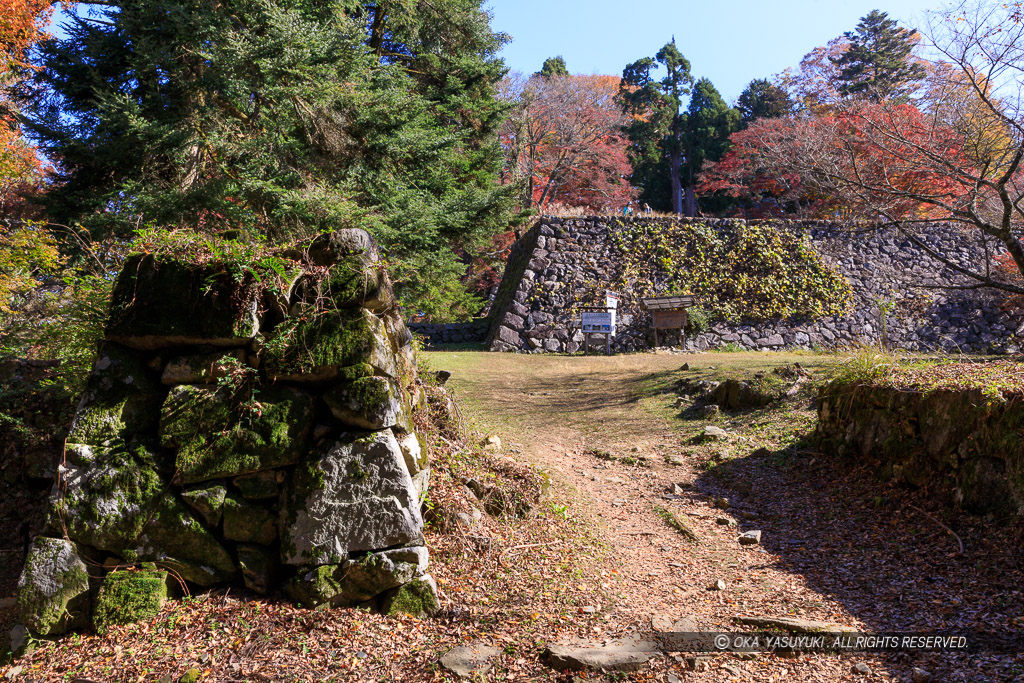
{"points": [[742, 271]]}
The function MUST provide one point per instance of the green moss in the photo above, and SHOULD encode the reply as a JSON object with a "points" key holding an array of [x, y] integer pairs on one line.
{"points": [[353, 281], [106, 502], [53, 590], [316, 586], [129, 596], [158, 300], [326, 341], [248, 523], [370, 403], [191, 676], [354, 372], [217, 439], [208, 502], [120, 402], [417, 598], [178, 541]]}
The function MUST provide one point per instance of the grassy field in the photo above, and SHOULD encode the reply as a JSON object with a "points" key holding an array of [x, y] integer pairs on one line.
{"points": [[615, 402]]}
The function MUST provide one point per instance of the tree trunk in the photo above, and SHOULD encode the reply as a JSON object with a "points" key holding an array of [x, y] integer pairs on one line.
{"points": [[675, 161]]}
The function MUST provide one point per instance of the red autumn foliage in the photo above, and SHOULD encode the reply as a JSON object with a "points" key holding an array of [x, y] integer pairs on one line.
{"points": [[565, 142]]}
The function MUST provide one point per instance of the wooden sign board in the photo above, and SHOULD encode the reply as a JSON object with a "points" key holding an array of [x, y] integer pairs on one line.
{"points": [[668, 320]]}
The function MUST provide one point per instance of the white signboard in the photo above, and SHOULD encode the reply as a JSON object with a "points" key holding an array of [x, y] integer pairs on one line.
{"points": [[598, 322], [611, 300]]}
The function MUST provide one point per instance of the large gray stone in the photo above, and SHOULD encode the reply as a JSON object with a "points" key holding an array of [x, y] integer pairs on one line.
{"points": [[350, 496], [176, 540], [368, 403], [628, 655], [357, 580], [218, 434], [159, 302], [53, 590], [201, 368]]}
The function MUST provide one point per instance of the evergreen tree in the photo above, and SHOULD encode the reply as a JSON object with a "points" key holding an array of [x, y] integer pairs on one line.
{"points": [[282, 118], [709, 123], [657, 126], [553, 66], [878, 65], [762, 99]]}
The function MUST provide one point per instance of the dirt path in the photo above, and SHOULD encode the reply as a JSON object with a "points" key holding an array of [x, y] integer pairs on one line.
{"points": [[836, 546]]}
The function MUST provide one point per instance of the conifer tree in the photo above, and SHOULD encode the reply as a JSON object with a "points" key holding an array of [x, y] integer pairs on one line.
{"points": [[878, 64], [282, 118]]}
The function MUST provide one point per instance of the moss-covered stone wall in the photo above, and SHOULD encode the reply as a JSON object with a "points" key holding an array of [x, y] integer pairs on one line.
{"points": [[761, 285], [965, 446], [240, 429]]}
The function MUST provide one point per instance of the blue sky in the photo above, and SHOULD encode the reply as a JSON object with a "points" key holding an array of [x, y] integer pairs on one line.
{"points": [[730, 41]]}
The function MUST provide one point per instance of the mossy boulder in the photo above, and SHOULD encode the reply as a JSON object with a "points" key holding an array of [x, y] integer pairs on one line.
{"points": [[259, 567], [216, 435], [317, 346], [358, 580], [120, 405], [329, 248], [259, 486], [248, 523], [369, 403], [159, 302], [129, 596], [354, 280], [202, 368], [105, 500], [349, 496], [208, 502], [53, 590], [417, 598], [177, 541]]}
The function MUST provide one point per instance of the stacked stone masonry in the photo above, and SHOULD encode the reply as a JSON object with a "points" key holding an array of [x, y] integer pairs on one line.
{"points": [[230, 434], [445, 334], [558, 259]]}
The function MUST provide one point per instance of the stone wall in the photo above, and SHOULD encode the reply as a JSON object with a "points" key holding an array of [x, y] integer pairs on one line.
{"points": [[962, 445], [560, 259], [445, 334], [236, 433]]}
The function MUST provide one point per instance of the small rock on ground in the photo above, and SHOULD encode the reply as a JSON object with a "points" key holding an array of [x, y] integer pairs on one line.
{"points": [[467, 661], [750, 537], [713, 433], [861, 668], [919, 675]]}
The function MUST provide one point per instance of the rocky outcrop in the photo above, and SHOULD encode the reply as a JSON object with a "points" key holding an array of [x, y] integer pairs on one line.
{"points": [[964, 446], [897, 292], [241, 429]]}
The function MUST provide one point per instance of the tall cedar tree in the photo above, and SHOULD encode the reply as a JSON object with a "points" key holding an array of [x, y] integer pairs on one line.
{"points": [[877, 66], [657, 126], [283, 118], [553, 66], [709, 123], [762, 99]]}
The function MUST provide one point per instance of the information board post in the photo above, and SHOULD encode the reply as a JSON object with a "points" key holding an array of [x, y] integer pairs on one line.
{"points": [[601, 321]]}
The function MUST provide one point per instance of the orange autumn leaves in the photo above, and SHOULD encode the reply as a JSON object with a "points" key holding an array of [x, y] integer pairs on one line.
{"points": [[22, 24]]}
